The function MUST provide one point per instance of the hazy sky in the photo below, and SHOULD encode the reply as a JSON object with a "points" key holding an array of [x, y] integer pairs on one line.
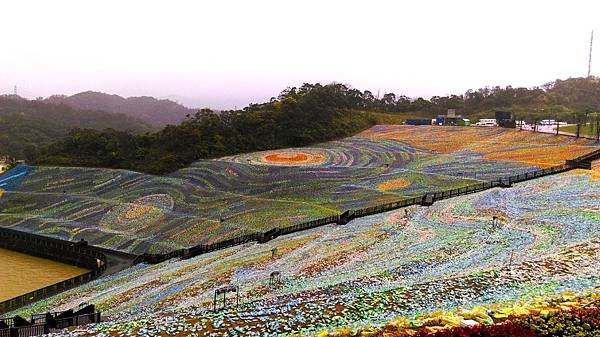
{"points": [[229, 53]]}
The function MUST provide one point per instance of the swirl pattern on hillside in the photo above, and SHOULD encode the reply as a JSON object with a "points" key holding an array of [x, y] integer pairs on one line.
{"points": [[139, 214], [221, 199], [373, 269], [352, 152]]}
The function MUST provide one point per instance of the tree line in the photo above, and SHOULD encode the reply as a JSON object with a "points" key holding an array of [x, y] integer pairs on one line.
{"points": [[560, 98], [300, 116], [27, 125]]}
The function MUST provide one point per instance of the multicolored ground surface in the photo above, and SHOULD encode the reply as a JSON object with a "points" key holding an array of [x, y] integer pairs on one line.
{"points": [[214, 200], [373, 271]]}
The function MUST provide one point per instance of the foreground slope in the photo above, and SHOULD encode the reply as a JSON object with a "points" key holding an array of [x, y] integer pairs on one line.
{"points": [[214, 200], [372, 270]]}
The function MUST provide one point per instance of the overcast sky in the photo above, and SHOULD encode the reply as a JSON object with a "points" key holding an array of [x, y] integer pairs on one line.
{"points": [[229, 53]]}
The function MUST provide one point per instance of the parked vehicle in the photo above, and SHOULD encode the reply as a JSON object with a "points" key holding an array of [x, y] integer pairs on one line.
{"points": [[418, 122], [487, 122]]}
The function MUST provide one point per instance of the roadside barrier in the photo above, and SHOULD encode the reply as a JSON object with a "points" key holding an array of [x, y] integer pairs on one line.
{"points": [[585, 161]]}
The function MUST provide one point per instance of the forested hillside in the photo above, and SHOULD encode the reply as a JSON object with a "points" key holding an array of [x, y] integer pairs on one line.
{"points": [[309, 114], [299, 116], [26, 125], [158, 112], [563, 99]]}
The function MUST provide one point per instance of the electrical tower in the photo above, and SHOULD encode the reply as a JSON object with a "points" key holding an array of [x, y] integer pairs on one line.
{"points": [[590, 58]]}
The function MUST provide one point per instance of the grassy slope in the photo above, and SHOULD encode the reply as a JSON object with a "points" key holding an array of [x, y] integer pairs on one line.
{"points": [[587, 130]]}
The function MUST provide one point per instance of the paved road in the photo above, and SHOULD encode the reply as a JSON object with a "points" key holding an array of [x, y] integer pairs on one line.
{"points": [[116, 261], [552, 129]]}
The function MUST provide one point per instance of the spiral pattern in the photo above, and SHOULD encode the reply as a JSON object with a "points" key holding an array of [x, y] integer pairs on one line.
{"points": [[224, 198], [138, 215]]}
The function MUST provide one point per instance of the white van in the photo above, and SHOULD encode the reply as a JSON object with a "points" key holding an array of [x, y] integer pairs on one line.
{"points": [[487, 122], [548, 122]]}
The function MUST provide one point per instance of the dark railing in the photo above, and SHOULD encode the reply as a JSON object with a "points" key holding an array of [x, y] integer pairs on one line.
{"points": [[426, 200], [73, 253], [25, 331], [585, 161], [68, 252], [49, 322], [84, 256], [84, 319]]}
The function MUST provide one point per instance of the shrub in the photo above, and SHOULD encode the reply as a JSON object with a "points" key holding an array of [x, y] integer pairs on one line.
{"points": [[511, 329], [580, 323]]}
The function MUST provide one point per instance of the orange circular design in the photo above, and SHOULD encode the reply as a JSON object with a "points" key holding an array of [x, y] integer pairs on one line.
{"points": [[393, 184], [285, 158], [292, 158], [133, 213]]}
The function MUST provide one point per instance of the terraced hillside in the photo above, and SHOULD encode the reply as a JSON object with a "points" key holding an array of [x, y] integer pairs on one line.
{"points": [[373, 270], [214, 200]]}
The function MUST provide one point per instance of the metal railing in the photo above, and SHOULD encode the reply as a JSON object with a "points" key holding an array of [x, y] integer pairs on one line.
{"points": [[343, 218], [348, 215], [46, 323]]}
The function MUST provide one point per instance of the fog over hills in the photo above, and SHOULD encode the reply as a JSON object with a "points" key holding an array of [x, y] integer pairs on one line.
{"points": [[157, 112], [26, 125]]}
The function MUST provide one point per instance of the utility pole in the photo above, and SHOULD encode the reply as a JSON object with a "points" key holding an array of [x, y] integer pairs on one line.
{"points": [[512, 255], [590, 57], [595, 125], [597, 129]]}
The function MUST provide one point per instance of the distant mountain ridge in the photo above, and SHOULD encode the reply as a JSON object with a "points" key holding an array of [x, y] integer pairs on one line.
{"points": [[158, 112], [26, 125]]}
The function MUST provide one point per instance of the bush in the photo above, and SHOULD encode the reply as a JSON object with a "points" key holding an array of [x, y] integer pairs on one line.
{"points": [[579, 323], [511, 329]]}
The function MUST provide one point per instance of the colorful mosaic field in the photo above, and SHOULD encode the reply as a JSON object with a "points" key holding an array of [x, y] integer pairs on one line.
{"points": [[375, 271], [215, 200]]}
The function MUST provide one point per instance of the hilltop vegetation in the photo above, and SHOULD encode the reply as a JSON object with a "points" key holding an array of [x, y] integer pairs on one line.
{"points": [[563, 99], [27, 125], [298, 117], [158, 112], [301, 116]]}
